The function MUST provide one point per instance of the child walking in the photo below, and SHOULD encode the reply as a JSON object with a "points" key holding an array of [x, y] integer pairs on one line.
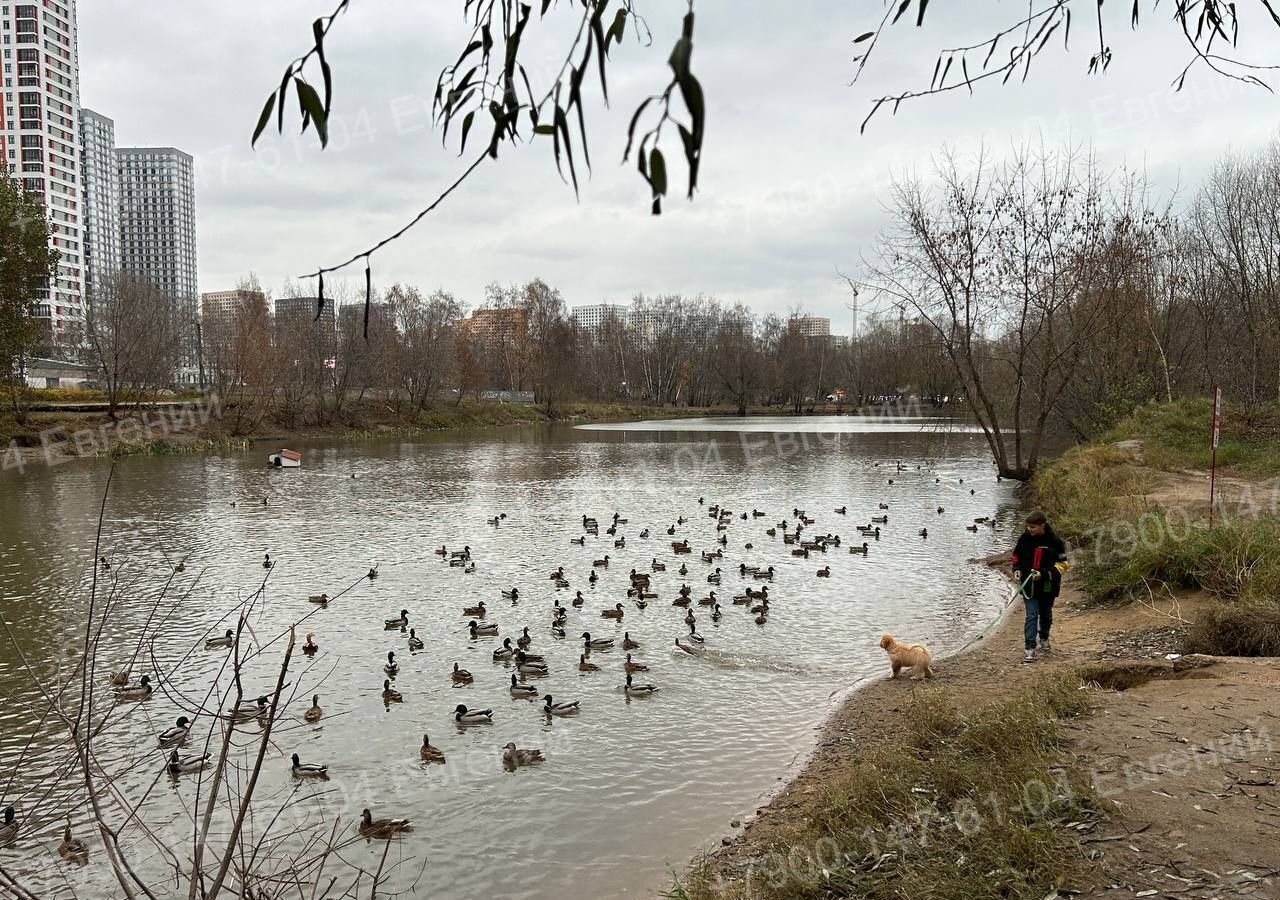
{"points": [[1036, 560]]}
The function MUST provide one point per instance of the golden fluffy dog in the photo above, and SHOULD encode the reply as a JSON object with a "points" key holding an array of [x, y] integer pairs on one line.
{"points": [[915, 657]]}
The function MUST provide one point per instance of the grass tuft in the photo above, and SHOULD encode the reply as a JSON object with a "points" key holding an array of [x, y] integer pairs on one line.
{"points": [[969, 806]]}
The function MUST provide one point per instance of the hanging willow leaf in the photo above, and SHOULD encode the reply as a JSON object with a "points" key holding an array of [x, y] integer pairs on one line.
{"points": [[264, 118], [920, 15], [865, 36], [284, 89], [314, 108], [657, 171], [317, 31]]}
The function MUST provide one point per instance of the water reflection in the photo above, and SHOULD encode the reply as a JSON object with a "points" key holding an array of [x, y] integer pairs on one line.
{"points": [[627, 786]]}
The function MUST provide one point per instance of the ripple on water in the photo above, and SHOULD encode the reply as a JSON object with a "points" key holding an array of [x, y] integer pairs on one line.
{"points": [[629, 785]]}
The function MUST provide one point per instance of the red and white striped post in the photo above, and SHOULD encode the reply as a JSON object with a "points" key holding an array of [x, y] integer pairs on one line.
{"points": [[1213, 452]]}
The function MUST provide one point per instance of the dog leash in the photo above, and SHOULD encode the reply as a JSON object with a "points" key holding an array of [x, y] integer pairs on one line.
{"points": [[1000, 615]]}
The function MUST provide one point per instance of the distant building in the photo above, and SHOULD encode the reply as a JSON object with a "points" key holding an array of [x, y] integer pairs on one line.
{"points": [[55, 373], [158, 234], [100, 184], [298, 314], [593, 318], [229, 306], [382, 316], [497, 325], [813, 326]]}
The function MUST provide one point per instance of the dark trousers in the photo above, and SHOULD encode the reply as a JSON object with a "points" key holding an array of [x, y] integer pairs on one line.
{"points": [[1039, 619]]}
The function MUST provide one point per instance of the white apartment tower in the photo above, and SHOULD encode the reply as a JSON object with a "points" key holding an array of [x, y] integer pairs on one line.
{"points": [[39, 119], [101, 182]]}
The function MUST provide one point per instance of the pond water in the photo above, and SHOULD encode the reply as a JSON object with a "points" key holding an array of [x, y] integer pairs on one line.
{"points": [[630, 788]]}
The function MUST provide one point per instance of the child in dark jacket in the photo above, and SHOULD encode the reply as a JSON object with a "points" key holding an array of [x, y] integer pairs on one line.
{"points": [[1035, 565]]}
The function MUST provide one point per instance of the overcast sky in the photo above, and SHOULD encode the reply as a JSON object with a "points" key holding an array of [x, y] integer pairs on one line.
{"points": [[790, 192]]}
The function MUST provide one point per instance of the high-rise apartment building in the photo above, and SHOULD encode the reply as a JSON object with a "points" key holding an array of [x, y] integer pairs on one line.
{"points": [[158, 234], [812, 326], [39, 144], [100, 182], [592, 318]]}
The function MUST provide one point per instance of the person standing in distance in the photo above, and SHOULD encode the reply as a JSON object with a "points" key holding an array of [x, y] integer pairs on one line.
{"points": [[1039, 559]]}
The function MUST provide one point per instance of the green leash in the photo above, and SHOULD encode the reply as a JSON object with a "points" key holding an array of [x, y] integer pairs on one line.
{"points": [[1000, 615]]}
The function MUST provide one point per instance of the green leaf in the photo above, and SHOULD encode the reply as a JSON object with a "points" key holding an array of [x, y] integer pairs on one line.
{"points": [[544, 129], [314, 108], [317, 31], [657, 171], [264, 118], [920, 14], [284, 89], [466, 126], [865, 36]]}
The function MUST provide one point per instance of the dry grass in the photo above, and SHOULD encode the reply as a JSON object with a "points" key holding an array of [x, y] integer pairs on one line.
{"points": [[1237, 630], [970, 807]]}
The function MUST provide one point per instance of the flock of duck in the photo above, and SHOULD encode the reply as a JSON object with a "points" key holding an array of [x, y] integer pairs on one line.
{"points": [[517, 652]]}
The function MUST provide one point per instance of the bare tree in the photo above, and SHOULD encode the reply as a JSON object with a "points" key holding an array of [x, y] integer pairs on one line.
{"points": [[133, 334]]}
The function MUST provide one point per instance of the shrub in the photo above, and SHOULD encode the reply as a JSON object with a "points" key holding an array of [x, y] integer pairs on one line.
{"points": [[1246, 629]]}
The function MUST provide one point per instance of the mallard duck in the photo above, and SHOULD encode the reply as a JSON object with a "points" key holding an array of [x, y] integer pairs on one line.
{"points": [[478, 630], [615, 613], [140, 691], [464, 716], [398, 622], [185, 765], [529, 657], [771, 532], [863, 549], [461, 676], [762, 594], [566, 708], [879, 520], [709, 600], [593, 577], [671, 529], [457, 562], [747, 546], [266, 559], [522, 690], [691, 649], [513, 756], [716, 615], [557, 629], [620, 543], [578, 599], [762, 607], [506, 651], [763, 618], [764, 575], [121, 678], [682, 600], [802, 551], [714, 577], [694, 637], [644, 533], [524, 640], [628, 643], [175, 736], [464, 553], [657, 566], [415, 642], [973, 528], [9, 827], [634, 666], [443, 551], [557, 574], [383, 829], [309, 645], [321, 599], [580, 541], [584, 666], [596, 643], [248, 709], [478, 611], [824, 572], [602, 563], [641, 603], [72, 848], [529, 667], [390, 694], [842, 510], [429, 753], [299, 769], [314, 712], [941, 510], [392, 667], [884, 505], [513, 595], [494, 521], [923, 532], [684, 570], [690, 618], [222, 640], [469, 569], [638, 690]]}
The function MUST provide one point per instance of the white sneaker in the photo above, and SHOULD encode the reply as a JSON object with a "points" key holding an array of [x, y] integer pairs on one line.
{"points": [[1029, 656], [1044, 646]]}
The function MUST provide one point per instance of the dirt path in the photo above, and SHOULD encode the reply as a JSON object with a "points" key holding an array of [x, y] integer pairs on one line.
{"points": [[1188, 760]]}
